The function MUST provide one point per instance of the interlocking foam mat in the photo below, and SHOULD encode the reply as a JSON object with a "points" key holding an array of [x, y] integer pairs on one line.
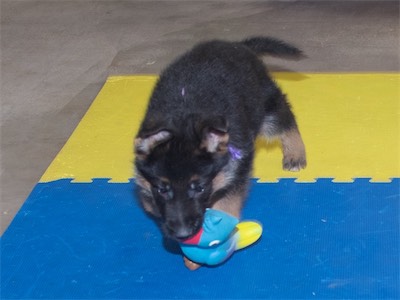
{"points": [[330, 231]]}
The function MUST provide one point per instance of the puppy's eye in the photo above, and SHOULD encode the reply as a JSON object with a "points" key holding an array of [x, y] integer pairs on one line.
{"points": [[163, 190], [195, 187]]}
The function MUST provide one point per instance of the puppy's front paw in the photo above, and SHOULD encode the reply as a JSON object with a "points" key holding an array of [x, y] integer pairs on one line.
{"points": [[294, 164], [192, 266], [294, 153]]}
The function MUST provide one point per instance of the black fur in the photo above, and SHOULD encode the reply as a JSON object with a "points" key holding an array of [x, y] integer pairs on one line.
{"points": [[211, 99]]}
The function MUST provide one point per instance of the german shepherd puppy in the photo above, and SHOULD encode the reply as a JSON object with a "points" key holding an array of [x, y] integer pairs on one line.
{"points": [[195, 146]]}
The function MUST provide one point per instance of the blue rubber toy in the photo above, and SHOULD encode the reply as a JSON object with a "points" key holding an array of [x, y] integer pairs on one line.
{"points": [[220, 235]]}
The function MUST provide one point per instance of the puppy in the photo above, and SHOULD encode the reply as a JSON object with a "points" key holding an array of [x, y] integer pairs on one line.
{"points": [[195, 147]]}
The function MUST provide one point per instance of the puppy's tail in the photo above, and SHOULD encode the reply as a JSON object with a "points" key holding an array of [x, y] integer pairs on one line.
{"points": [[273, 47]]}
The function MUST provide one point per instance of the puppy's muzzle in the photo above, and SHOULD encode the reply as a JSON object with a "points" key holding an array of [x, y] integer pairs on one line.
{"points": [[182, 231]]}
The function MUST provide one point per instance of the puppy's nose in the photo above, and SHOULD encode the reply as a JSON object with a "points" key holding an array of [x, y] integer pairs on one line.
{"points": [[183, 233]]}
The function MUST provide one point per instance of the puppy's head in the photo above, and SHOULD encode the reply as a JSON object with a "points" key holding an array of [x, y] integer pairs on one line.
{"points": [[175, 168]]}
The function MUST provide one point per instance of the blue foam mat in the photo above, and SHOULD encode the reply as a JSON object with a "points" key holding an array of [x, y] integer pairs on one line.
{"points": [[320, 240]]}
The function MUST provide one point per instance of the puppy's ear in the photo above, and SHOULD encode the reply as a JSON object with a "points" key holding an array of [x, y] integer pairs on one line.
{"points": [[215, 135], [145, 143]]}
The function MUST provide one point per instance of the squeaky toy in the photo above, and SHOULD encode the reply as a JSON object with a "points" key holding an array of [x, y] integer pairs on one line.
{"points": [[220, 235]]}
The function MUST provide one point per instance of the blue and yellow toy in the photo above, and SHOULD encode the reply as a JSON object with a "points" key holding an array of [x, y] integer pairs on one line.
{"points": [[220, 235]]}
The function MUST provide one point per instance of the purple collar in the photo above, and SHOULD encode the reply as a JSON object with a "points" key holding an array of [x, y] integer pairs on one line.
{"points": [[235, 152]]}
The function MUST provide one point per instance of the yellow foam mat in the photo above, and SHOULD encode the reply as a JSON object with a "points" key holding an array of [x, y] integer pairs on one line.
{"points": [[349, 122]]}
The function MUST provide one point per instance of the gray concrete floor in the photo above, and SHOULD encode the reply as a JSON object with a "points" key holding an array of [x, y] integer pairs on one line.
{"points": [[56, 55]]}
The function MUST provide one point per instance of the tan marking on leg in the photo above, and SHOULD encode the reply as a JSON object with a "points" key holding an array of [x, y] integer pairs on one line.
{"points": [[232, 204], [294, 153], [224, 177], [219, 181]]}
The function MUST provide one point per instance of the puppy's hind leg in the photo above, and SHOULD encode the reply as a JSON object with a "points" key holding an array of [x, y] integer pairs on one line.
{"points": [[281, 123]]}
